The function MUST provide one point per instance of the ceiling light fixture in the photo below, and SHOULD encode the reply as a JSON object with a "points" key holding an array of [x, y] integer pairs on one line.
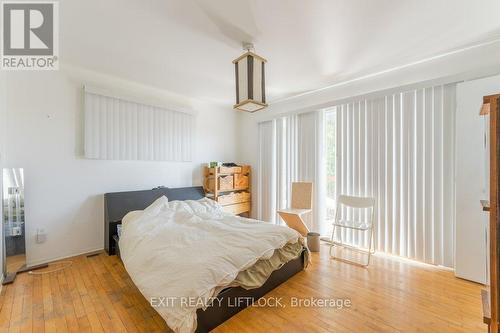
{"points": [[250, 80]]}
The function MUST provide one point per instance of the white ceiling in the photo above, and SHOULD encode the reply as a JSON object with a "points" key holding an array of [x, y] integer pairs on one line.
{"points": [[186, 46]]}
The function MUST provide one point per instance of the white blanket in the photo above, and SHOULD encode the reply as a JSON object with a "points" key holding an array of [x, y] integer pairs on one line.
{"points": [[184, 250]]}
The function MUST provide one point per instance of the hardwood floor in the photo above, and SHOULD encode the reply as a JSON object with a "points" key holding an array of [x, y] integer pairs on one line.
{"points": [[14, 263], [95, 294]]}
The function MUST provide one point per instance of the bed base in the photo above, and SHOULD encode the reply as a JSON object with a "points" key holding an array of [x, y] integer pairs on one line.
{"points": [[227, 305]]}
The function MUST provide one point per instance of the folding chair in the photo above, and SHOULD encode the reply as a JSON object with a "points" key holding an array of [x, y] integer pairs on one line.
{"points": [[366, 226]]}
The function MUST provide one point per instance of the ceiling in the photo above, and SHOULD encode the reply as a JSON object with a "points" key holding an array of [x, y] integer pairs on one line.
{"points": [[186, 46]]}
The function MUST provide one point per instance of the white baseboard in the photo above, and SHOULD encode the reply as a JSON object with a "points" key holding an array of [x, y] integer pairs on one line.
{"points": [[326, 241], [49, 260]]}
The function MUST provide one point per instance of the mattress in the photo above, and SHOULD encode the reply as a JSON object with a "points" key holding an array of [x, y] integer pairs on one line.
{"points": [[191, 250]]}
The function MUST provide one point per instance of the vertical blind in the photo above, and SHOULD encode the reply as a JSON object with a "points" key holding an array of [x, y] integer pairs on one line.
{"points": [[117, 129], [400, 149], [266, 172], [289, 151]]}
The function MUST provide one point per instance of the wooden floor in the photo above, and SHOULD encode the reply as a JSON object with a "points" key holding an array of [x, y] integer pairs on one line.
{"points": [[14, 263], [96, 295]]}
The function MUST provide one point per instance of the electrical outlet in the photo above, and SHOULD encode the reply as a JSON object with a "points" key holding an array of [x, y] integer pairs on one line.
{"points": [[41, 236]]}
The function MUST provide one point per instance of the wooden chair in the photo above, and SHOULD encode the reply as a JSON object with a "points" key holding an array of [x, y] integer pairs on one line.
{"points": [[339, 222], [302, 194]]}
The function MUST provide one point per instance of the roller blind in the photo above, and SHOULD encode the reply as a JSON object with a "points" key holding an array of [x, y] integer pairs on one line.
{"points": [[117, 129], [399, 149]]}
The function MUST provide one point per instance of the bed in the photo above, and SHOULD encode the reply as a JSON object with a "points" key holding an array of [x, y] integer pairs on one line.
{"points": [[118, 205]]}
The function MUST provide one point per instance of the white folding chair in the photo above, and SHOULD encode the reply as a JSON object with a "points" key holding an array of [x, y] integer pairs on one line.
{"points": [[361, 203], [300, 206]]}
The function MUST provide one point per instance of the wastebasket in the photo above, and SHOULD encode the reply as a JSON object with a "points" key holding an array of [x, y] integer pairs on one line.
{"points": [[313, 241]]}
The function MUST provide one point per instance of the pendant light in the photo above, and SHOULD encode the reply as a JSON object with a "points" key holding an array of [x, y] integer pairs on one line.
{"points": [[250, 80]]}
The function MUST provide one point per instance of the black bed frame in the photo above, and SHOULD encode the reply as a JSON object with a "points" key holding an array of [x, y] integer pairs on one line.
{"points": [[231, 300]]}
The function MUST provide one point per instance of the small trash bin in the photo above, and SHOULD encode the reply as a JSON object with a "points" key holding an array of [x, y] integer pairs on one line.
{"points": [[313, 241]]}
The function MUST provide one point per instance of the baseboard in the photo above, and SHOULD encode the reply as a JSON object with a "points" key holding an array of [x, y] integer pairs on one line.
{"points": [[49, 260], [326, 241]]}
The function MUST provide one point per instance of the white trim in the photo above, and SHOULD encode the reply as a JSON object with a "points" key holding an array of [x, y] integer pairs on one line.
{"points": [[326, 242], [49, 260], [413, 262], [373, 95]]}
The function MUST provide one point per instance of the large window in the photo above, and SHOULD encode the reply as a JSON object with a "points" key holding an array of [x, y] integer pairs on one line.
{"points": [[398, 149], [290, 150]]}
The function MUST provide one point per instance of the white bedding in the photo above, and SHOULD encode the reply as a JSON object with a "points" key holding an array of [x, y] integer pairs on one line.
{"points": [[186, 250]]}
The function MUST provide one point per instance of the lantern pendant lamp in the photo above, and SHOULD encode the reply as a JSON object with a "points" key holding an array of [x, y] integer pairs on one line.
{"points": [[250, 81]]}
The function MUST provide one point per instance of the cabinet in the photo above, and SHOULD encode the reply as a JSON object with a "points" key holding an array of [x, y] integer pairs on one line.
{"points": [[230, 187]]}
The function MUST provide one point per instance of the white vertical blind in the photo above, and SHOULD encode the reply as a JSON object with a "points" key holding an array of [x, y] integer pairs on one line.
{"points": [[400, 149], [116, 129], [266, 175], [290, 150]]}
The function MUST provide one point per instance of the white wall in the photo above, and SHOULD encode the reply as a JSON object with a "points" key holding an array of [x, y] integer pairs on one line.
{"points": [[63, 190], [472, 160], [2, 141]]}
